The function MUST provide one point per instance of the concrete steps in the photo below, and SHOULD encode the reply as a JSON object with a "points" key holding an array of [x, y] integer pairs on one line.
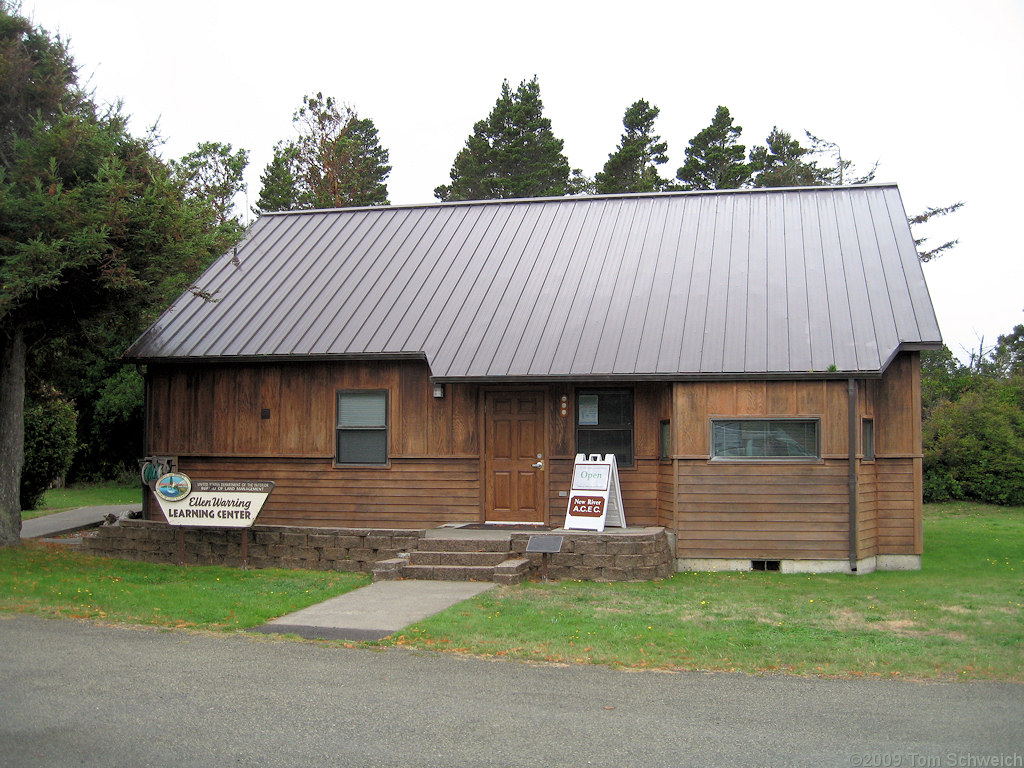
{"points": [[456, 559]]}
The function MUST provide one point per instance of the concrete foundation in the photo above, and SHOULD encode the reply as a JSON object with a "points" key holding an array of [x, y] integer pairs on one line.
{"points": [[864, 566]]}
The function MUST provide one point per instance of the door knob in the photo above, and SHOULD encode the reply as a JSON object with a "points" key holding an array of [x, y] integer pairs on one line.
{"points": [[539, 465]]}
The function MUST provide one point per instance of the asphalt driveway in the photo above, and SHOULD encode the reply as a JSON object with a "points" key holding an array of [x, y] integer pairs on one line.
{"points": [[74, 693]]}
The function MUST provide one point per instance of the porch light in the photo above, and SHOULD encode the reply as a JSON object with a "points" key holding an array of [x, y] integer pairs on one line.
{"points": [[439, 390]]}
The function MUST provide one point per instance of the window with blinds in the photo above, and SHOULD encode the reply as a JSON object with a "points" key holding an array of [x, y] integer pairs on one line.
{"points": [[361, 435], [765, 439]]}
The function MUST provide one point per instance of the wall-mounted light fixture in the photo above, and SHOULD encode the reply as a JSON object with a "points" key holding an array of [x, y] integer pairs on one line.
{"points": [[439, 390]]}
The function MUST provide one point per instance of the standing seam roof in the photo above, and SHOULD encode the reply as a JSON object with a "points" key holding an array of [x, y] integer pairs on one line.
{"points": [[743, 282]]}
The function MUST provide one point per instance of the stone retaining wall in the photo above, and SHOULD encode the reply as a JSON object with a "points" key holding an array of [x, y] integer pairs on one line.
{"points": [[270, 546], [639, 554]]}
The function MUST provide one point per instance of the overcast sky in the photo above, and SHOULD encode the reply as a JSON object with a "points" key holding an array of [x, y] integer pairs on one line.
{"points": [[933, 90]]}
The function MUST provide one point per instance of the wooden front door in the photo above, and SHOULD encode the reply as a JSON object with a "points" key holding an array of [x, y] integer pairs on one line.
{"points": [[514, 456]]}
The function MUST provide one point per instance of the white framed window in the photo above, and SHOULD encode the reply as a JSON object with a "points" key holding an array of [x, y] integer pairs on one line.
{"points": [[765, 439], [361, 431]]}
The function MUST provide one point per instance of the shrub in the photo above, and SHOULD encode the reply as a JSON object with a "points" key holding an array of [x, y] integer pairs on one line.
{"points": [[50, 444], [115, 435], [974, 447]]}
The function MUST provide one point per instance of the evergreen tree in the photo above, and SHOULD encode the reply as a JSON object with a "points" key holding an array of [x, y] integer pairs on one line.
{"points": [[95, 237], [1008, 355], [336, 162], [782, 162], [843, 171], [280, 187], [512, 153], [214, 175], [633, 167], [37, 80], [922, 218], [714, 159]]}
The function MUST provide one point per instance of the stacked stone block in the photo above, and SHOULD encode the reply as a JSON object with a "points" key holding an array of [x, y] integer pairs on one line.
{"points": [[640, 554], [270, 546]]}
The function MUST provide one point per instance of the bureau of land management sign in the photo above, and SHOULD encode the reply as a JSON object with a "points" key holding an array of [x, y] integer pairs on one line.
{"points": [[210, 503], [595, 498]]}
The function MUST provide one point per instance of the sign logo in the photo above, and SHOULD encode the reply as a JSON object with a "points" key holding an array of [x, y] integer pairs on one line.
{"points": [[174, 486]]}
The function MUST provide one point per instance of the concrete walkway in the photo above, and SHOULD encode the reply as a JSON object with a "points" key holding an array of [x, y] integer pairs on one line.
{"points": [[72, 520], [369, 613], [375, 611]]}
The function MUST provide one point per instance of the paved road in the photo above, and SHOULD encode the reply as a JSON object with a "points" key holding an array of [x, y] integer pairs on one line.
{"points": [[72, 693]]}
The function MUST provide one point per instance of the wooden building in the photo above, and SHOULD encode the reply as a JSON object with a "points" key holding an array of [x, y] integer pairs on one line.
{"points": [[751, 357]]}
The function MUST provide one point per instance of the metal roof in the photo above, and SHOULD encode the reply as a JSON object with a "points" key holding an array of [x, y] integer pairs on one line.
{"points": [[746, 282]]}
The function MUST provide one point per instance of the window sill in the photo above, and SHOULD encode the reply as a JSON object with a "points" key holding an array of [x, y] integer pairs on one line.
{"points": [[764, 460]]}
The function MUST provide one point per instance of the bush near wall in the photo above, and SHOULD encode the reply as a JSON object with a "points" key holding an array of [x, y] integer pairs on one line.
{"points": [[50, 444], [974, 445]]}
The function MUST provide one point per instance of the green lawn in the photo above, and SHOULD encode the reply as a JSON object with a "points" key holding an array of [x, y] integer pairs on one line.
{"points": [[48, 580], [85, 495], [961, 616]]}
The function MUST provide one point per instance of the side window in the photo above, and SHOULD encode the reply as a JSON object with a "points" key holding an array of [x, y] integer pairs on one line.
{"points": [[361, 433], [765, 439], [867, 439], [665, 440], [604, 423]]}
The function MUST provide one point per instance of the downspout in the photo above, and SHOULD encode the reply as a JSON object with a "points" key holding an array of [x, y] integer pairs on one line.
{"points": [[144, 372], [852, 395]]}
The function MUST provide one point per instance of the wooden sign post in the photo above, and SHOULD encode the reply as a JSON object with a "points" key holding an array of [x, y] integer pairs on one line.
{"points": [[595, 498]]}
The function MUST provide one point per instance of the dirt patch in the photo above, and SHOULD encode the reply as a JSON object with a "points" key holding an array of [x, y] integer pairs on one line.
{"points": [[847, 619]]}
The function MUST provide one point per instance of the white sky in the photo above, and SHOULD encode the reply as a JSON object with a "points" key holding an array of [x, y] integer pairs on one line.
{"points": [[932, 89]]}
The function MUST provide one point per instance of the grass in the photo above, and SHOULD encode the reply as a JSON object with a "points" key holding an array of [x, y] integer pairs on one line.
{"points": [[49, 580], [960, 617], [85, 495]]}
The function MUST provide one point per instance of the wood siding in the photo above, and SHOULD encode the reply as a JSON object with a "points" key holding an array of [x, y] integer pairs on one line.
{"points": [[797, 510], [215, 410], [411, 493], [212, 418], [762, 511]]}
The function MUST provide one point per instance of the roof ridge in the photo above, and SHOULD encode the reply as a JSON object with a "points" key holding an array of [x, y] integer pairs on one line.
{"points": [[584, 198]]}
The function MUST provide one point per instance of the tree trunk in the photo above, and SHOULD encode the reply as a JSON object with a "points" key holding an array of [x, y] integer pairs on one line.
{"points": [[12, 432]]}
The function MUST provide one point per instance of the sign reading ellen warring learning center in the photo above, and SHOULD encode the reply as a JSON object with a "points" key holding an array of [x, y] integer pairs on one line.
{"points": [[210, 504]]}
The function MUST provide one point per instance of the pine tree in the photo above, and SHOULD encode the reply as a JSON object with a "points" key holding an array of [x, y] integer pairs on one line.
{"points": [[214, 174], [336, 162], [279, 186], [714, 159], [512, 153], [633, 165], [782, 162], [94, 234]]}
